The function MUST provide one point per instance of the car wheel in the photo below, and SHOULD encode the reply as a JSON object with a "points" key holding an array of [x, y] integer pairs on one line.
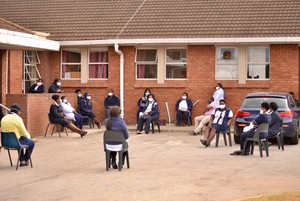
{"points": [[294, 140], [236, 139]]}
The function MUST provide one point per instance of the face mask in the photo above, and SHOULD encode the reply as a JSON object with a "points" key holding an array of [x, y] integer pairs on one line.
{"points": [[150, 99], [261, 111], [65, 100], [217, 88], [147, 93], [110, 94], [79, 95], [39, 83], [88, 97], [58, 83], [222, 106], [183, 97]]}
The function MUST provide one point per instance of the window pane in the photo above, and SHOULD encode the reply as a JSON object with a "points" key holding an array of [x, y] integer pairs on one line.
{"points": [[258, 63], [71, 56], [146, 55], [258, 55], [98, 70], [259, 71], [71, 71], [147, 71], [98, 56], [227, 71], [176, 55], [227, 54], [176, 71]]}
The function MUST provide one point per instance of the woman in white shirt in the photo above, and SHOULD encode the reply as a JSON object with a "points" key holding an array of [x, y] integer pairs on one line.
{"points": [[71, 113], [219, 94]]}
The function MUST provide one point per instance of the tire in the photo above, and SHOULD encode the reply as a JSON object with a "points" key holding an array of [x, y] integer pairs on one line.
{"points": [[236, 139], [294, 140]]}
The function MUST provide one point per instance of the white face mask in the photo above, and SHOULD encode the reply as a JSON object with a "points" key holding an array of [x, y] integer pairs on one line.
{"points": [[183, 97], [79, 95], [58, 83], [65, 100], [39, 83], [147, 93], [110, 94], [261, 111], [222, 106], [217, 88], [150, 99], [88, 97]]}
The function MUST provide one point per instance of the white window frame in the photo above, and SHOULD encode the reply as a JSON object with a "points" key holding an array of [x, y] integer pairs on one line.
{"points": [[62, 63], [146, 63], [31, 60], [97, 63], [257, 63], [174, 63], [219, 61]]}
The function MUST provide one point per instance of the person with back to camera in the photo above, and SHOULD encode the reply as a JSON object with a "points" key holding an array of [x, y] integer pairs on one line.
{"points": [[263, 117], [219, 94], [71, 113], [115, 122], [143, 102], [55, 87], [184, 109], [110, 101], [219, 122], [148, 114], [57, 116], [86, 108], [296, 101], [274, 126], [12, 122], [201, 121], [38, 87]]}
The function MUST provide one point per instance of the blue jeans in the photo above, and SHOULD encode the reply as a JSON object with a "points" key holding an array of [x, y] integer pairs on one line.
{"points": [[30, 143]]}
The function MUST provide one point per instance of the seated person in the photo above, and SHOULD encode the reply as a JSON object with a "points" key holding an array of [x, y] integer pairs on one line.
{"points": [[201, 121], [274, 127], [57, 116], [71, 113], [55, 87], [219, 122], [86, 108], [143, 102], [263, 117], [38, 87], [184, 109], [110, 101], [149, 114], [79, 97], [115, 122], [12, 122]]}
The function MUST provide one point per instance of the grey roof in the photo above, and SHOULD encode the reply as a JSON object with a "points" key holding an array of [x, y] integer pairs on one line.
{"points": [[149, 19]]}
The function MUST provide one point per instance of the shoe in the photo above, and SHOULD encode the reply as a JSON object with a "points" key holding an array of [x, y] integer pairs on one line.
{"points": [[24, 163], [204, 142], [207, 144], [239, 152], [83, 133], [139, 132], [114, 165], [193, 133], [247, 153], [98, 124]]}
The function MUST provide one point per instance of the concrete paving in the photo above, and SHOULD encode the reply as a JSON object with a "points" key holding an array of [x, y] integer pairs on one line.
{"points": [[169, 166]]}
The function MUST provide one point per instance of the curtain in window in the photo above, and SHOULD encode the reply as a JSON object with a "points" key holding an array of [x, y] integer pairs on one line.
{"points": [[141, 55], [98, 70], [257, 55], [65, 60]]}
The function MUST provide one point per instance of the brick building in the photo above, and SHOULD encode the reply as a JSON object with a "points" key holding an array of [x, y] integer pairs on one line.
{"points": [[171, 46]]}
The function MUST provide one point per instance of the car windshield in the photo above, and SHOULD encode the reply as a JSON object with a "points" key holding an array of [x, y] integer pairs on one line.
{"points": [[255, 102]]}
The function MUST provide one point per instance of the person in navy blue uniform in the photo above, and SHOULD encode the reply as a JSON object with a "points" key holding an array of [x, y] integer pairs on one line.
{"points": [[38, 87], [110, 101], [275, 125], [184, 109], [55, 87], [86, 108], [143, 102], [57, 116], [148, 114], [263, 117]]}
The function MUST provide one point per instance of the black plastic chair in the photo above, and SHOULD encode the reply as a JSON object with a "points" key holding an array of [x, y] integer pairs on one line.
{"points": [[228, 133], [279, 137], [89, 121], [55, 125], [9, 142], [261, 128], [117, 139], [153, 123]]}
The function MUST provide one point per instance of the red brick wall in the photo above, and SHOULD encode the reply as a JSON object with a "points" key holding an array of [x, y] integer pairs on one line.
{"points": [[15, 72]]}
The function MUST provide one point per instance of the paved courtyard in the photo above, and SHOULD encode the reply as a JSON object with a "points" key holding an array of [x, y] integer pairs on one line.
{"points": [[169, 166]]}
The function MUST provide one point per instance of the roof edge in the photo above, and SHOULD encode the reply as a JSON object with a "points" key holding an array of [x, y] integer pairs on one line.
{"points": [[189, 41]]}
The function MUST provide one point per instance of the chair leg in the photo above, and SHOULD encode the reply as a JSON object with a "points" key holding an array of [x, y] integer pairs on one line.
{"points": [[267, 147], [158, 127], [225, 141], [9, 157], [54, 126], [29, 155], [46, 130], [252, 147], [244, 148], [120, 153], [66, 131], [229, 138], [152, 126], [281, 141], [19, 155], [278, 141], [127, 159], [107, 157], [59, 127], [217, 138], [260, 148]]}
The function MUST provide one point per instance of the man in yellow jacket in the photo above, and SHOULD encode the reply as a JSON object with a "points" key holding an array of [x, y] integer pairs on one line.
{"points": [[12, 122]]}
